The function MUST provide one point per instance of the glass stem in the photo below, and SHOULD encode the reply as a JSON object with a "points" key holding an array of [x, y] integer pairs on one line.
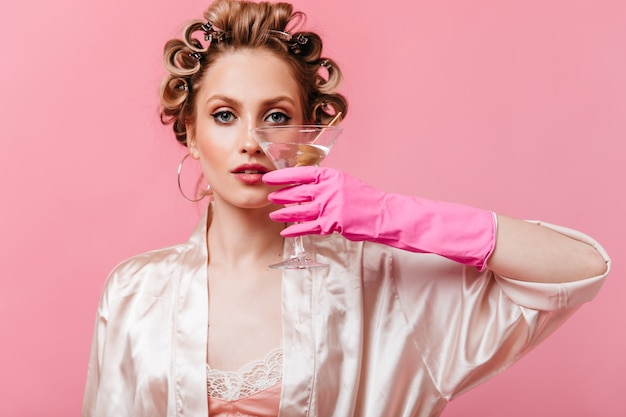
{"points": [[298, 247]]}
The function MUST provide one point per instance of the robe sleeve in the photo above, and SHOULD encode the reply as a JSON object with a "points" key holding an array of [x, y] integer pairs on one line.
{"points": [[468, 325], [95, 361]]}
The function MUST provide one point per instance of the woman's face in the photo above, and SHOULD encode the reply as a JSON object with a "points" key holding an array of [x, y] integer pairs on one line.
{"points": [[240, 91]]}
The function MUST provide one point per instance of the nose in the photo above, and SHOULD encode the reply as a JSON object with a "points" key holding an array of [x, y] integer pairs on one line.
{"points": [[249, 145]]}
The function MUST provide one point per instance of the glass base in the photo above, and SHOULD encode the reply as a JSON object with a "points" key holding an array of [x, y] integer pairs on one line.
{"points": [[298, 262]]}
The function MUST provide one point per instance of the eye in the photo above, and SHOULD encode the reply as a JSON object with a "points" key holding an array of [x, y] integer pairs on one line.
{"points": [[278, 118], [224, 117]]}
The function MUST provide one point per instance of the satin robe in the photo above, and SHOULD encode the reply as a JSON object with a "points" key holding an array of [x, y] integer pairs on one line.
{"points": [[381, 332]]}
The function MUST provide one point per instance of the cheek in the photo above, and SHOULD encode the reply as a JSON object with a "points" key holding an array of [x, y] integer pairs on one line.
{"points": [[215, 148]]}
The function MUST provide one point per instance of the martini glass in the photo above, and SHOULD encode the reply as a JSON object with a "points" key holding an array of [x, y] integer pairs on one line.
{"points": [[293, 146]]}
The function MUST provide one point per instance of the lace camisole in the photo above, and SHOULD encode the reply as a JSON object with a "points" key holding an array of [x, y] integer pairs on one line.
{"points": [[252, 391]]}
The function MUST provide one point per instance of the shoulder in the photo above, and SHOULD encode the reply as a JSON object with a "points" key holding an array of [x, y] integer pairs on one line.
{"points": [[149, 270]]}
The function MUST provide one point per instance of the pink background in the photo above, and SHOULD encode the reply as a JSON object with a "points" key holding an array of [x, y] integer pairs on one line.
{"points": [[514, 106]]}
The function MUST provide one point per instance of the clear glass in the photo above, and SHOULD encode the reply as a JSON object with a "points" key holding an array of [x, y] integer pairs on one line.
{"points": [[293, 146]]}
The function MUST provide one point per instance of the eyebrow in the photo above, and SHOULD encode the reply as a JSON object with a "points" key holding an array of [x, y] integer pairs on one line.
{"points": [[269, 102], [278, 99], [219, 97]]}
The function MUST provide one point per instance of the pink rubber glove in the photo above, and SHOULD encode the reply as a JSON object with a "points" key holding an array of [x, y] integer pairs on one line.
{"points": [[336, 202]]}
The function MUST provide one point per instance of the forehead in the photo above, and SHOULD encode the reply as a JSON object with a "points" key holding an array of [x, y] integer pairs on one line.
{"points": [[248, 76]]}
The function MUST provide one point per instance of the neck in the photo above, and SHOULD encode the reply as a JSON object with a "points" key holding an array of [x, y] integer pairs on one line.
{"points": [[244, 237]]}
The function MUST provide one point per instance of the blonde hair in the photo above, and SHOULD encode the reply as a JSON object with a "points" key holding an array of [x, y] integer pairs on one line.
{"points": [[231, 25]]}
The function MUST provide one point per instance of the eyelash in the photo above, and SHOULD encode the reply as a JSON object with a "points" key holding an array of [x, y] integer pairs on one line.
{"points": [[222, 113], [278, 113], [219, 117]]}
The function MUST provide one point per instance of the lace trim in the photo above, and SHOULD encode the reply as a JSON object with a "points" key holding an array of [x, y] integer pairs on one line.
{"points": [[251, 378]]}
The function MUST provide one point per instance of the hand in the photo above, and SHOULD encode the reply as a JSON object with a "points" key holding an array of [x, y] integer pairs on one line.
{"points": [[332, 201]]}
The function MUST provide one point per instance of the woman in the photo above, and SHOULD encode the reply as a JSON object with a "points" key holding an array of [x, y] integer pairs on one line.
{"points": [[421, 301]]}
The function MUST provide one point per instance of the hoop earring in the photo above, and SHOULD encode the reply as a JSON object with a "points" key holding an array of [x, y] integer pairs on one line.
{"points": [[180, 188]]}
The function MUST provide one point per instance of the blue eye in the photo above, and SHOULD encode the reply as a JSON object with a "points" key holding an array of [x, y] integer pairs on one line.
{"points": [[278, 118], [224, 117]]}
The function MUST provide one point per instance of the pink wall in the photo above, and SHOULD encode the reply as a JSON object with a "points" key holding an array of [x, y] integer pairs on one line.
{"points": [[515, 106]]}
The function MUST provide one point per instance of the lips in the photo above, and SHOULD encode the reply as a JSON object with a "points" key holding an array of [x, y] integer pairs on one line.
{"points": [[250, 174], [251, 169]]}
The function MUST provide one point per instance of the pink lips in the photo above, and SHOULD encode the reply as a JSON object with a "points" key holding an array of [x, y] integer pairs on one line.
{"points": [[250, 173]]}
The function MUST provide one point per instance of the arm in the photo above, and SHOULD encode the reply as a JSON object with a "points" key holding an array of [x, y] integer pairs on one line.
{"points": [[467, 324], [333, 201], [530, 252]]}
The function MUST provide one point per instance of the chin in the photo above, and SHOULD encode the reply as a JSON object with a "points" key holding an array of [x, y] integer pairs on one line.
{"points": [[251, 203], [254, 206]]}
